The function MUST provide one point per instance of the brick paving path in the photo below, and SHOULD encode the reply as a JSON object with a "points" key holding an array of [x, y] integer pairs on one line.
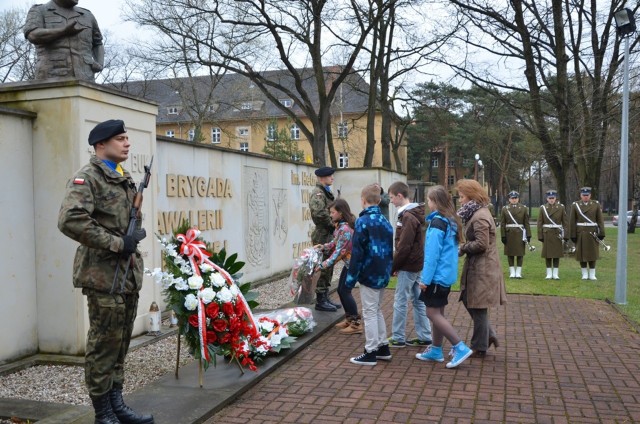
{"points": [[560, 360]]}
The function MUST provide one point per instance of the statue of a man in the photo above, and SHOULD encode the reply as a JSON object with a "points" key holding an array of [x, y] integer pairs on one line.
{"points": [[67, 38]]}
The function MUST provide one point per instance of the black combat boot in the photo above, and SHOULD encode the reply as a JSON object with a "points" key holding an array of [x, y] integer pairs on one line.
{"points": [[104, 412], [335, 305], [322, 303], [125, 414]]}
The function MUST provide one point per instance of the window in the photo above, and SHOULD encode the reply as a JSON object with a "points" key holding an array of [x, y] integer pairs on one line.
{"points": [[343, 129], [216, 134], [434, 162], [246, 106], [451, 180], [286, 102], [170, 133], [434, 178], [343, 160], [244, 147], [452, 163], [272, 131], [242, 131], [295, 132], [467, 163], [211, 108], [172, 110], [192, 134], [295, 158]]}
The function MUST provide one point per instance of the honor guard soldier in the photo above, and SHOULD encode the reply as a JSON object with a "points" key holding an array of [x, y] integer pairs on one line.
{"points": [[515, 232], [586, 224], [552, 232], [321, 197]]}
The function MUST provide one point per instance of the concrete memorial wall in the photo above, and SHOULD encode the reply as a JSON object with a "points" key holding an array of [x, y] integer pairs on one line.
{"points": [[247, 203]]}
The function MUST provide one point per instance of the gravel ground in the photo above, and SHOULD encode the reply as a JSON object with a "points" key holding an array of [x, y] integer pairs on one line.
{"points": [[65, 384]]}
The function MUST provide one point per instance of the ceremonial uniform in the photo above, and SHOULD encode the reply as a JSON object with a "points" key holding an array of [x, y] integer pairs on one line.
{"points": [[321, 197], [514, 231], [586, 223], [552, 232]]}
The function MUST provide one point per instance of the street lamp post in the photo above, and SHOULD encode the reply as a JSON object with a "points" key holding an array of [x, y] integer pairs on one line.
{"points": [[475, 169], [626, 25]]}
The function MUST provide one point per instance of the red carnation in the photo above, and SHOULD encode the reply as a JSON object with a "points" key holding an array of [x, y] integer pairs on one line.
{"points": [[211, 337]]}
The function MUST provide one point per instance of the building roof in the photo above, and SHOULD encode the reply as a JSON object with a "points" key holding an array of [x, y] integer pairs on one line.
{"points": [[236, 97]]}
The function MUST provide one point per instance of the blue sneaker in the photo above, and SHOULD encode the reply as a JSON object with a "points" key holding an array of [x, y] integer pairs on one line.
{"points": [[460, 352], [432, 353]]}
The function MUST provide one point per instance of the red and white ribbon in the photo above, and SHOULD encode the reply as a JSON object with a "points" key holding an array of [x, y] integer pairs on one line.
{"points": [[195, 250]]}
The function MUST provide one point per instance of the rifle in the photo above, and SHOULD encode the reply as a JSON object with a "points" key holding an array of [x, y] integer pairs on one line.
{"points": [[134, 217]]}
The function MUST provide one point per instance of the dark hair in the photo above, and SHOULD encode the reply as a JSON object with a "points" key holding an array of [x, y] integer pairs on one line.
{"points": [[399, 187], [342, 207], [444, 204]]}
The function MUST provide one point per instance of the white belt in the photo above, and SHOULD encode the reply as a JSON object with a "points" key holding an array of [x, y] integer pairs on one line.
{"points": [[587, 224], [513, 226], [552, 226]]}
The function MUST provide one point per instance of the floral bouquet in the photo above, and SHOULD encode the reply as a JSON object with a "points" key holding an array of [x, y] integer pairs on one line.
{"points": [[281, 327], [214, 316], [303, 279]]}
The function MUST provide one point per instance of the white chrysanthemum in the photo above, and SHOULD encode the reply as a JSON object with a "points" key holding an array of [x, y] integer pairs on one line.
{"points": [[206, 268], [275, 340], [190, 302], [234, 290], [207, 295], [186, 269], [265, 346], [195, 282], [266, 325], [180, 284], [171, 250], [225, 295], [217, 280]]}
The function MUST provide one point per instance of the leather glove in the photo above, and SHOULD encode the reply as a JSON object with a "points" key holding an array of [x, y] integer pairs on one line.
{"points": [[565, 240], [574, 239], [528, 239], [540, 239], [601, 237], [504, 240], [130, 245]]}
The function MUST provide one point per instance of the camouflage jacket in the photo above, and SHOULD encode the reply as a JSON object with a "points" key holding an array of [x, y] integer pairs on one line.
{"points": [[319, 206], [95, 213]]}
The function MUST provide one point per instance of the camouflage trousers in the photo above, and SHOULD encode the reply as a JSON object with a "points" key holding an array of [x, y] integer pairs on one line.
{"points": [[110, 326], [319, 237]]}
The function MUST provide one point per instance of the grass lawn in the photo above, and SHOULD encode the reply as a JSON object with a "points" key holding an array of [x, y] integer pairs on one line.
{"points": [[570, 283]]}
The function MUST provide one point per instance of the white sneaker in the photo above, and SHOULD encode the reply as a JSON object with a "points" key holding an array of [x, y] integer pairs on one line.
{"points": [[555, 274], [548, 277], [585, 273], [512, 272], [592, 274]]}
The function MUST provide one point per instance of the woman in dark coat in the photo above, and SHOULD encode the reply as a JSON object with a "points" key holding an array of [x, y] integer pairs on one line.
{"points": [[482, 281]]}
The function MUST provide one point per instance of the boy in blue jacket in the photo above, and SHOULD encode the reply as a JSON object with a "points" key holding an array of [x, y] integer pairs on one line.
{"points": [[371, 260]]}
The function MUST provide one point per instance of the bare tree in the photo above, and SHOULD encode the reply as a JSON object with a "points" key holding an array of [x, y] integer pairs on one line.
{"points": [[17, 55], [250, 37], [569, 55]]}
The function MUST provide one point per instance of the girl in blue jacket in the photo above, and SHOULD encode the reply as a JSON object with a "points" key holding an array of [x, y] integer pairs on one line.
{"points": [[439, 273]]}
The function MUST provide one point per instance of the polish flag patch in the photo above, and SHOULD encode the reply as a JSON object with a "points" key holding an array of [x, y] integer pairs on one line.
{"points": [[78, 181]]}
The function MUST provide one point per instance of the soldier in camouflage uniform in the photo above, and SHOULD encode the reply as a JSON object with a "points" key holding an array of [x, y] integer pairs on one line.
{"points": [[586, 226], [95, 213], [514, 230], [552, 232], [321, 197]]}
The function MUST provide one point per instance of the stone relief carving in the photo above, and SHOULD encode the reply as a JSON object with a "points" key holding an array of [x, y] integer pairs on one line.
{"points": [[257, 216], [280, 215]]}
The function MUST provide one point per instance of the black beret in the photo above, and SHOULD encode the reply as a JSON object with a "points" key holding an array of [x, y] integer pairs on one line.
{"points": [[514, 195], [552, 193], [585, 190], [325, 171], [105, 130]]}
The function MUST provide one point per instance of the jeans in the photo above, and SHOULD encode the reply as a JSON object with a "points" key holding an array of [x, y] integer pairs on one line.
{"points": [[346, 298], [375, 330], [407, 288]]}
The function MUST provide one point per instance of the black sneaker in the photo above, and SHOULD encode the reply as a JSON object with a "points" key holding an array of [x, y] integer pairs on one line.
{"points": [[367, 358], [418, 342], [383, 353]]}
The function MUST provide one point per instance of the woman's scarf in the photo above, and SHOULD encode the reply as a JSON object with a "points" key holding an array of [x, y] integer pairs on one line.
{"points": [[467, 210]]}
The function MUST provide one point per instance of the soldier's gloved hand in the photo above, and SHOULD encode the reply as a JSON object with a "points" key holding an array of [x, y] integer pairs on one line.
{"points": [[540, 239], [504, 240], [601, 237], [566, 240], [139, 235], [130, 245], [528, 239], [574, 239]]}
